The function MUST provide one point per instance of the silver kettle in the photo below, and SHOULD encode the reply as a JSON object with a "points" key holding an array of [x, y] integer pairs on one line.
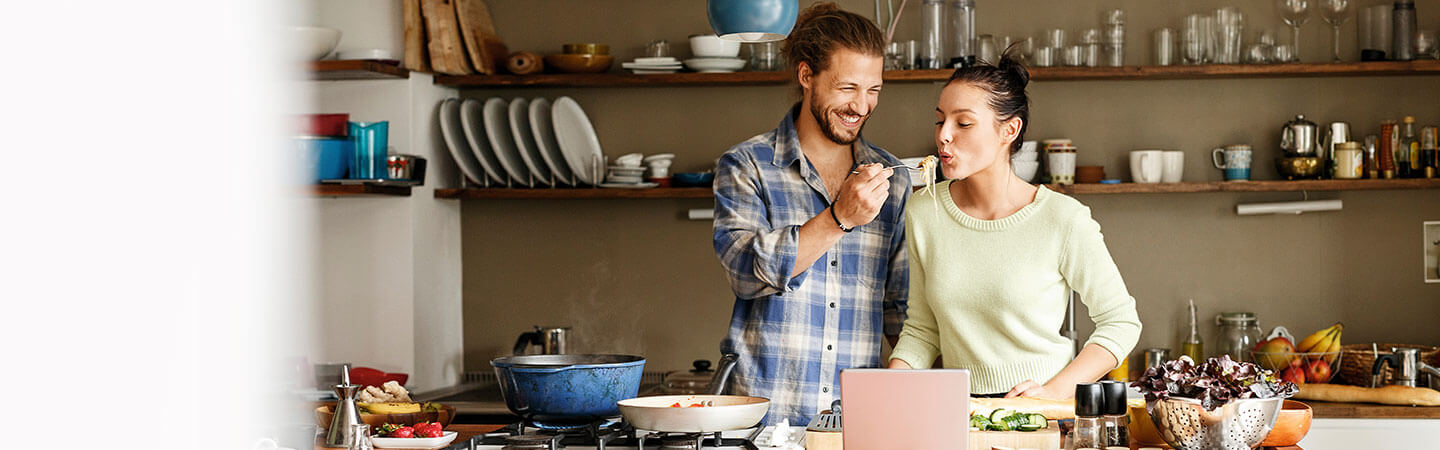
{"points": [[1299, 137]]}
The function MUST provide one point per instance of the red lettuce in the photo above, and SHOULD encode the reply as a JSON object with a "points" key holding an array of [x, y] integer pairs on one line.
{"points": [[1216, 382]]}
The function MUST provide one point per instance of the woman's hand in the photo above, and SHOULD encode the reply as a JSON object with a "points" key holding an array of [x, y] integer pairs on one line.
{"points": [[1029, 388], [896, 363]]}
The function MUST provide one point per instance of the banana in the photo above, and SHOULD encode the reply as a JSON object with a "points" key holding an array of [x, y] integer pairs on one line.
{"points": [[392, 408], [1312, 343], [1333, 351]]}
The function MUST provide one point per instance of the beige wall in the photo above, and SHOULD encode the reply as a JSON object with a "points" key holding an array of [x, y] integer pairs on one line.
{"points": [[632, 276]]}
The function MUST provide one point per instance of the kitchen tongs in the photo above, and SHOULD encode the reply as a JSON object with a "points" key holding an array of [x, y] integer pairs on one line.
{"points": [[827, 422]]}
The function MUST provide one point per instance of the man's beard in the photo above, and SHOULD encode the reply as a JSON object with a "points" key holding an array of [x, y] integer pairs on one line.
{"points": [[828, 127]]}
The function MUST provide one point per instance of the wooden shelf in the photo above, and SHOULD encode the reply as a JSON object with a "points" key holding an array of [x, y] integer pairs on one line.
{"points": [[357, 69], [559, 193], [353, 190], [624, 79], [1074, 189]]}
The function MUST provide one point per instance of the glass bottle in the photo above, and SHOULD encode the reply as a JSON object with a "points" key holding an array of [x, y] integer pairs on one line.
{"points": [[1403, 30], [1089, 424], [1410, 151], [1117, 420], [1193, 346], [1239, 332], [962, 32], [1387, 149], [1429, 153], [932, 47], [1372, 161]]}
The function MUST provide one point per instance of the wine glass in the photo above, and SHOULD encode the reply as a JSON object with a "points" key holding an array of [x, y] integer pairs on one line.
{"points": [[1295, 13], [1335, 13]]}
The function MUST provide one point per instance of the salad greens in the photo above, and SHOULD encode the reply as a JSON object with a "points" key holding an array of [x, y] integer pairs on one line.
{"points": [[1214, 383]]}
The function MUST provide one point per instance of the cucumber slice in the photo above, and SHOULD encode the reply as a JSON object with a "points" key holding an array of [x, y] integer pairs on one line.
{"points": [[1000, 426], [1000, 414], [1038, 420], [979, 421], [1028, 427]]}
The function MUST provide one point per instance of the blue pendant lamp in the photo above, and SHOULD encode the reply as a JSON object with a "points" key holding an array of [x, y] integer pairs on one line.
{"points": [[753, 20]]}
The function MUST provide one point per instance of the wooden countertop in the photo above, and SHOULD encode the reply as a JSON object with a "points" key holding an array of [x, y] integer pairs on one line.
{"points": [[1330, 410]]}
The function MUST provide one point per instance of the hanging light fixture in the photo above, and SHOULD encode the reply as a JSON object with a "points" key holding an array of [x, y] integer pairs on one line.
{"points": [[753, 20]]}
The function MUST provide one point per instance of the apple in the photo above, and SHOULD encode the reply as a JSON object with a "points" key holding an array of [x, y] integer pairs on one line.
{"points": [[1294, 375], [1274, 354], [1318, 371]]}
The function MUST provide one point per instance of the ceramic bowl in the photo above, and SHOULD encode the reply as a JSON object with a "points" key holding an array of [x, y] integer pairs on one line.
{"points": [[579, 63], [1089, 174], [711, 46], [693, 179], [586, 49], [1026, 169], [313, 43], [1291, 425], [1023, 155]]}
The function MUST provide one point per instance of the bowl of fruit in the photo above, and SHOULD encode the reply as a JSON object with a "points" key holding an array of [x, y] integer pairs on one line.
{"points": [[1311, 360], [420, 435]]}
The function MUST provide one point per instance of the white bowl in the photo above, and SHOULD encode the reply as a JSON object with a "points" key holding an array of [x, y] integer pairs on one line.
{"points": [[313, 43], [1025, 156], [1028, 146], [711, 46], [1026, 169], [629, 160]]}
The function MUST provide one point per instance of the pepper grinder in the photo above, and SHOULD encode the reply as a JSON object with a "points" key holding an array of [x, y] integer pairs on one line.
{"points": [[342, 427]]}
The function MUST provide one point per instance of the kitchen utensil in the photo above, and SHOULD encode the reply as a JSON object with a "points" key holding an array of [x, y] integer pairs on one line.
{"points": [[472, 122], [567, 389], [1174, 166], [658, 48], [1049, 437], [445, 439], [964, 45], [543, 129], [1163, 47], [765, 56], [1229, 29], [1147, 166], [416, 57], [1154, 357], [579, 63], [524, 63], [695, 381], [711, 46], [1403, 22], [1023, 169], [372, 140], [715, 64], [524, 139], [932, 52], [1194, 40], [577, 139], [934, 399], [442, 29], [1298, 167], [378, 54], [586, 49], [405, 167], [1357, 361], [1235, 162], [477, 28], [313, 43], [444, 416], [359, 438], [1062, 164], [1240, 424], [339, 430], [497, 130], [1087, 174], [719, 413], [1299, 137], [986, 49], [325, 158], [551, 340], [634, 185], [1334, 134], [1407, 365], [1291, 425], [828, 421], [1349, 161]]}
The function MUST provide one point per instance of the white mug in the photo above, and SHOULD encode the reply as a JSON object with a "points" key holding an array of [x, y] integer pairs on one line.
{"points": [[1146, 166], [1174, 162], [1062, 167]]}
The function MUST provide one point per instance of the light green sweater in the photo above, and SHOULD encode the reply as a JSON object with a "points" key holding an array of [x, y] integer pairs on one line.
{"points": [[990, 295]]}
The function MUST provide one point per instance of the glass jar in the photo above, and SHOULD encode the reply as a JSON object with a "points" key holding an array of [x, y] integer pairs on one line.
{"points": [[1239, 332]]}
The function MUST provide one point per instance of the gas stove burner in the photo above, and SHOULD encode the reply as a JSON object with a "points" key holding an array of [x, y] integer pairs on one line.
{"points": [[533, 441], [681, 442], [686, 441]]}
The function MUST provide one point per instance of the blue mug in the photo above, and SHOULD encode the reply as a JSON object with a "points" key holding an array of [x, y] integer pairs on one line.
{"points": [[1234, 160], [371, 141]]}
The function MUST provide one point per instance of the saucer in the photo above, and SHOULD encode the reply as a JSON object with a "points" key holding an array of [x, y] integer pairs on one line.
{"points": [[715, 65], [646, 185]]}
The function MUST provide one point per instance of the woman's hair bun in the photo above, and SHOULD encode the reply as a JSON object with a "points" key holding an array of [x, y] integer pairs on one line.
{"points": [[1014, 70]]}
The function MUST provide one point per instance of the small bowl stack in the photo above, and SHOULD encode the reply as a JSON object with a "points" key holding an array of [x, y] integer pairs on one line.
{"points": [[581, 58], [1026, 161], [714, 55]]}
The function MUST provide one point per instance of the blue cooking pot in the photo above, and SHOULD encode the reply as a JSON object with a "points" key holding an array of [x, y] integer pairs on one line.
{"points": [[567, 388]]}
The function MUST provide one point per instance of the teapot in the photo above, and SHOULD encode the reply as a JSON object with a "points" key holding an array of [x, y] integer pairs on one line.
{"points": [[551, 340], [1299, 137]]}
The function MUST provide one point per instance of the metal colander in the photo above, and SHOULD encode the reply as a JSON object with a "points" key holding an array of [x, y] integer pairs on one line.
{"points": [[1239, 425]]}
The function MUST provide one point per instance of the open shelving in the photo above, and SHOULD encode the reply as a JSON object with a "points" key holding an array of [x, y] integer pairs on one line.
{"points": [[357, 69], [355, 190]]}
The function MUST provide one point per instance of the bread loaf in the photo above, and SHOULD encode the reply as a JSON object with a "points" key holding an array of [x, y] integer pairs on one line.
{"points": [[1052, 409], [1388, 395]]}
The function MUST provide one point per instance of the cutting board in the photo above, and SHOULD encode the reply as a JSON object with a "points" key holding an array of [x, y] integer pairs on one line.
{"points": [[447, 50], [1048, 438], [416, 58], [818, 440], [477, 29]]}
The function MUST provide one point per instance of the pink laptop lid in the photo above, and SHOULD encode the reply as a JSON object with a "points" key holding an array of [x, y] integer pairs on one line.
{"points": [[891, 409]]}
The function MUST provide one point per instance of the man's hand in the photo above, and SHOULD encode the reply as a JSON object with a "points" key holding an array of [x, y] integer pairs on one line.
{"points": [[862, 195]]}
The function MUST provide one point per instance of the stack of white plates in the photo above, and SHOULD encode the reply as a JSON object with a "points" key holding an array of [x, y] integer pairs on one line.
{"points": [[522, 142], [663, 64], [715, 65]]}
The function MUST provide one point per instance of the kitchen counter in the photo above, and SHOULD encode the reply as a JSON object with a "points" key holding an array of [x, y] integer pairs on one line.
{"points": [[1330, 410]]}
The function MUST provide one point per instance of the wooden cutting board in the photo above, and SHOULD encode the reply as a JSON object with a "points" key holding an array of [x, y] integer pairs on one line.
{"points": [[1048, 438], [447, 50], [416, 58], [482, 44]]}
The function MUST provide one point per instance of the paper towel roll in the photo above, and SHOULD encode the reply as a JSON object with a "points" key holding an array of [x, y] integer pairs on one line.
{"points": [[524, 63]]}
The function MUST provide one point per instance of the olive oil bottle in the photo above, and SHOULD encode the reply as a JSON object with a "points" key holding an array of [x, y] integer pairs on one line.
{"points": [[1192, 346]]}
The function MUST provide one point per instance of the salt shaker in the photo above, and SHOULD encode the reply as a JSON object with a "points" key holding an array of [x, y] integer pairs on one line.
{"points": [[1089, 429]]}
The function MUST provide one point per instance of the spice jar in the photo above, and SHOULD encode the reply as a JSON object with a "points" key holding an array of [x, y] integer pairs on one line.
{"points": [[1239, 332]]}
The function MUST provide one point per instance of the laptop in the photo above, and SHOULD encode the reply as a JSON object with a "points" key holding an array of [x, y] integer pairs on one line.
{"points": [[892, 409]]}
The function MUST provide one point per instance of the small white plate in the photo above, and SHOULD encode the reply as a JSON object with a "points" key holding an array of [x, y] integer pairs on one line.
{"points": [[653, 72], [657, 60], [445, 439], [629, 185], [676, 65], [715, 65]]}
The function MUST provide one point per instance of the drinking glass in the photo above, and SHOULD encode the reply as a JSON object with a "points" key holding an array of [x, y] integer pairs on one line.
{"points": [[1193, 44], [1295, 13], [1229, 27], [1335, 13], [1425, 44], [986, 50]]}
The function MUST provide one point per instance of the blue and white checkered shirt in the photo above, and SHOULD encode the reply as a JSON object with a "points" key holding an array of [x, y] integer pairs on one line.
{"points": [[795, 335]]}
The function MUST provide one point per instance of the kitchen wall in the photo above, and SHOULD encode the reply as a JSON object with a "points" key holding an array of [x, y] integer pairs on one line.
{"points": [[633, 276]]}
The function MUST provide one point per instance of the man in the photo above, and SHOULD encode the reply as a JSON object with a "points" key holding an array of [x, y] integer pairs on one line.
{"points": [[808, 227]]}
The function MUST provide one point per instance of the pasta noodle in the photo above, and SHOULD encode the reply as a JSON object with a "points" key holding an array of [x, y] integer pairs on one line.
{"points": [[927, 170]]}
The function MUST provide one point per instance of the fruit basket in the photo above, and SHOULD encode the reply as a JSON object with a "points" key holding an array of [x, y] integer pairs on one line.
{"points": [[1299, 367]]}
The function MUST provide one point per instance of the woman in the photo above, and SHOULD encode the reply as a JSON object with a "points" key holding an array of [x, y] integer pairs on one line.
{"points": [[993, 258]]}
